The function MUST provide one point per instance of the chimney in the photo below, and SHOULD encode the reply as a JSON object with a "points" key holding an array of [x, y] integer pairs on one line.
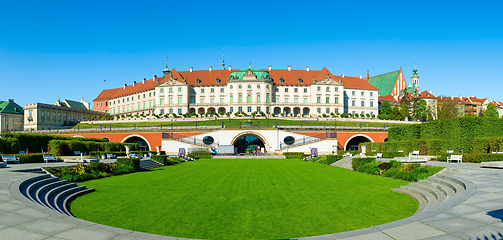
{"points": [[191, 69], [360, 76], [125, 85], [368, 75], [342, 75], [143, 81], [154, 78], [289, 68], [230, 68], [211, 68], [430, 92], [307, 68], [134, 83], [270, 67]]}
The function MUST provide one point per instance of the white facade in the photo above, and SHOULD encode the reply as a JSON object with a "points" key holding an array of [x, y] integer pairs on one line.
{"points": [[361, 101], [11, 122], [40, 116]]}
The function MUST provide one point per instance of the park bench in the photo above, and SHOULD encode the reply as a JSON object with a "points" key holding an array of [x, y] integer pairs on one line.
{"points": [[10, 159], [450, 151], [379, 155], [110, 156], [76, 153], [48, 158], [415, 152], [458, 158], [3, 163]]}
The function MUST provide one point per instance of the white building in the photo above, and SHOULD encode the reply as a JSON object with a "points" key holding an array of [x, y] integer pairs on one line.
{"points": [[11, 116]]}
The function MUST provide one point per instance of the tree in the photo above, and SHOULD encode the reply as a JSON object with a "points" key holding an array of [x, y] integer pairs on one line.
{"points": [[491, 111], [385, 108], [420, 111], [448, 110]]}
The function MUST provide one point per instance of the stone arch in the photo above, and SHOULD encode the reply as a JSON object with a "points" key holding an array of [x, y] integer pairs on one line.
{"points": [[357, 136], [306, 111], [296, 111], [277, 110], [385, 139], [212, 110], [201, 110], [287, 111], [252, 133], [106, 138], [221, 110], [192, 110], [139, 136]]}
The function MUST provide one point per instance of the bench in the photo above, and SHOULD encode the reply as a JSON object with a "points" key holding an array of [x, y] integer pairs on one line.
{"points": [[379, 155], [110, 156], [10, 159], [48, 158], [450, 151], [458, 158], [415, 152], [3, 163], [76, 153]]}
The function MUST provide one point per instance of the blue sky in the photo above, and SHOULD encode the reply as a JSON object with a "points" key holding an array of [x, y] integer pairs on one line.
{"points": [[67, 48]]}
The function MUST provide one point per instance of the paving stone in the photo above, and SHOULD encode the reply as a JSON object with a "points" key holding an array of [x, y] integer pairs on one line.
{"points": [[141, 235], [47, 226], [484, 232], [474, 199], [12, 219], [438, 216], [443, 237], [11, 206], [373, 236], [488, 205], [14, 233], [453, 224], [462, 210], [413, 231], [490, 189], [4, 191], [6, 197], [31, 212], [86, 233], [491, 195], [486, 217]]}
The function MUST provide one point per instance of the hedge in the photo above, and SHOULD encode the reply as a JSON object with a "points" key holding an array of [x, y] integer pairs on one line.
{"points": [[458, 133], [473, 157], [488, 144], [67, 147], [201, 155], [28, 158], [35, 142], [386, 154], [424, 146], [331, 159], [339, 152], [294, 155], [134, 162], [165, 160], [99, 154], [11, 145]]}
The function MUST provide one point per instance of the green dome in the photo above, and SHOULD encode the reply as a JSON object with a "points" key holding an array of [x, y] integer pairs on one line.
{"points": [[238, 74]]}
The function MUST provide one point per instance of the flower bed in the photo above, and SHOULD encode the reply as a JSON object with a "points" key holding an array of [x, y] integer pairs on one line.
{"points": [[83, 172], [394, 169]]}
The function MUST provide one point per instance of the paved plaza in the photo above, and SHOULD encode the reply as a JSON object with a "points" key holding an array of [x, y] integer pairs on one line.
{"points": [[478, 217]]}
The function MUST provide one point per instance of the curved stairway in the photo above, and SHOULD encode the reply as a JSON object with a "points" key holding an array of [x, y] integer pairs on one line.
{"points": [[52, 192], [435, 192]]}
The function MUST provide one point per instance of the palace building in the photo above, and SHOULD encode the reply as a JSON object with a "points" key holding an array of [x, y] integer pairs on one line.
{"points": [[291, 92]]}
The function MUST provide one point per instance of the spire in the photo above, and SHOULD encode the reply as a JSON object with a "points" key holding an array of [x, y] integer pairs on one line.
{"points": [[58, 99], [223, 62], [166, 70]]}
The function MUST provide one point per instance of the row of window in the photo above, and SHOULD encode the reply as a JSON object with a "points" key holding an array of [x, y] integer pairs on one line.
{"points": [[70, 116], [171, 90], [126, 108], [353, 103], [170, 101], [170, 111], [132, 98], [353, 93]]}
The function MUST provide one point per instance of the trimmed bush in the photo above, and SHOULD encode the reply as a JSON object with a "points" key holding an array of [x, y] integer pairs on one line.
{"points": [[339, 152], [11, 145], [370, 168], [294, 155], [35, 142], [331, 159], [133, 162], [83, 172], [473, 157], [67, 147], [99, 154]]}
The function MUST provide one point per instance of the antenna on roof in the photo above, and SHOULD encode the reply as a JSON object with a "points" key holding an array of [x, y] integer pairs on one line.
{"points": [[223, 63], [166, 62]]}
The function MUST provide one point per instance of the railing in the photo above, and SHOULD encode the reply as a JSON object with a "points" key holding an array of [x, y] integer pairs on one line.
{"points": [[196, 141], [298, 142]]}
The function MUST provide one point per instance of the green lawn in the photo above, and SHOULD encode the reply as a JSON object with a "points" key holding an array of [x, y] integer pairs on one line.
{"points": [[236, 123], [244, 199]]}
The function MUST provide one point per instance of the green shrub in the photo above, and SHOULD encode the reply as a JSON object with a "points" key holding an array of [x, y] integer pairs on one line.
{"points": [[473, 157], [294, 155], [67, 147], [36, 142], [352, 152], [99, 154], [133, 162], [31, 158], [11, 145], [331, 159], [385, 166], [357, 162], [370, 168]]}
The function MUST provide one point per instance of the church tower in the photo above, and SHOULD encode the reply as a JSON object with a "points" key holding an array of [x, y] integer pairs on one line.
{"points": [[415, 78], [166, 70]]}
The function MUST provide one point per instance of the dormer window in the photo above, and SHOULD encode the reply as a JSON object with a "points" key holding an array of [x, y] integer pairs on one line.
{"points": [[281, 80], [300, 80], [198, 81], [217, 80], [427, 94]]}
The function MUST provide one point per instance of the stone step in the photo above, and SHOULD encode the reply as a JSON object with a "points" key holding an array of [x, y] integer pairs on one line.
{"points": [[33, 187], [455, 187], [51, 194], [427, 196], [42, 192], [447, 191], [59, 200], [422, 202], [72, 196], [148, 164], [439, 195]]}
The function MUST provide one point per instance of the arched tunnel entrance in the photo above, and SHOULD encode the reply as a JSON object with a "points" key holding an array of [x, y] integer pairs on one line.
{"points": [[352, 144], [141, 142], [249, 144]]}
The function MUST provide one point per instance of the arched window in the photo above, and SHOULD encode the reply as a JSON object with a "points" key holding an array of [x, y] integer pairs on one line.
{"points": [[231, 99], [267, 98], [240, 98], [258, 98], [249, 99]]}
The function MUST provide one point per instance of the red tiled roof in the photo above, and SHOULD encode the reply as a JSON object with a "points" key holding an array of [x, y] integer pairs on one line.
{"points": [[475, 99], [426, 94], [139, 87], [357, 83], [292, 77], [206, 77], [106, 94], [388, 98]]}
